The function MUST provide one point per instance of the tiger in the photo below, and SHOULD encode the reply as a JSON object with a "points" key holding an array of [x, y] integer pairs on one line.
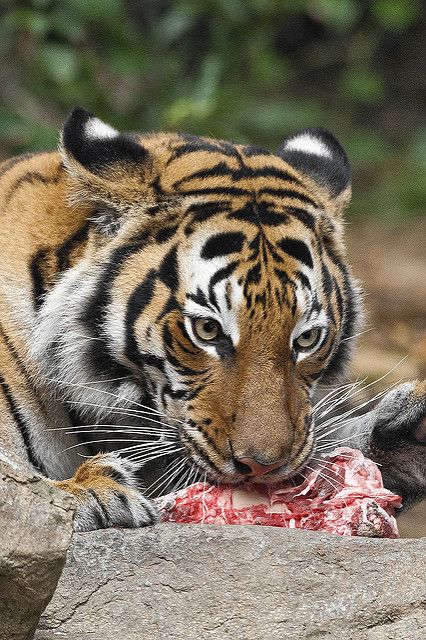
{"points": [[170, 305]]}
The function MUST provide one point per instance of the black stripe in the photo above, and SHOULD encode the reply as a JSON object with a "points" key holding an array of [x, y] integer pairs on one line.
{"points": [[168, 270], [9, 164], [32, 177], [206, 436], [194, 144], [327, 282], [181, 368], [260, 214], [219, 169], [287, 193], [92, 314], [303, 216], [303, 279], [349, 318], [101, 516], [15, 355], [63, 252], [24, 429], [217, 277], [222, 169], [297, 249], [250, 151], [199, 297], [165, 234], [138, 301], [273, 172], [22, 369], [222, 244], [228, 191], [37, 277], [203, 454]]}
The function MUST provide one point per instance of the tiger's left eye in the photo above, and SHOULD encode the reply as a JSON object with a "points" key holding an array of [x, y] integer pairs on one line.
{"points": [[308, 339], [206, 329]]}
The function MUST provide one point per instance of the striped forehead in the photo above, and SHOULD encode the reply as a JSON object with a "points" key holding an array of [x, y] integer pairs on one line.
{"points": [[226, 272], [211, 285]]}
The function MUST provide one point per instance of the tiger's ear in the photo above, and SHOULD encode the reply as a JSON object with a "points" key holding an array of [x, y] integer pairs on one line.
{"points": [[96, 146], [320, 156], [107, 168]]}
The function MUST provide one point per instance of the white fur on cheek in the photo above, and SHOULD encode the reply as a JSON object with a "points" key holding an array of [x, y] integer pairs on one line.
{"points": [[308, 144]]}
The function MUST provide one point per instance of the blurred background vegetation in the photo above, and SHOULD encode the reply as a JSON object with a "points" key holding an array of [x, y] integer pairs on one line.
{"points": [[246, 70]]}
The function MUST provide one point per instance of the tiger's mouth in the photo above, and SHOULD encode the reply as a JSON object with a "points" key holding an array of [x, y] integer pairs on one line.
{"points": [[232, 472]]}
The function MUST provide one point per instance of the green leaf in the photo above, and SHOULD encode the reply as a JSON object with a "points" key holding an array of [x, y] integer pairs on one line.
{"points": [[59, 63], [101, 10], [362, 85], [367, 147], [338, 14], [396, 14]]}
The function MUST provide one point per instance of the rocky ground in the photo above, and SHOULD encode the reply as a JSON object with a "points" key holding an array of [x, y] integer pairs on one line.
{"points": [[183, 582]]}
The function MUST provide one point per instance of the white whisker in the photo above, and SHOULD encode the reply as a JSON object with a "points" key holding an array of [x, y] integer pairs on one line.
{"points": [[336, 487], [114, 395], [360, 333], [125, 428], [136, 415], [362, 389], [162, 483], [344, 418], [160, 455], [336, 443], [120, 451], [330, 396]]}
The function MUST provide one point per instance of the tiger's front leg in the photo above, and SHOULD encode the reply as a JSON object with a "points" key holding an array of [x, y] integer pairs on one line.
{"points": [[398, 441], [108, 494], [393, 434]]}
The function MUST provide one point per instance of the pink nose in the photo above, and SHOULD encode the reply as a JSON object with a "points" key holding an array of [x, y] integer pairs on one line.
{"points": [[250, 466]]}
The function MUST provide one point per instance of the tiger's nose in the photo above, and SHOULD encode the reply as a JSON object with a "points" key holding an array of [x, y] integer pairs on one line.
{"points": [[251, 467]]}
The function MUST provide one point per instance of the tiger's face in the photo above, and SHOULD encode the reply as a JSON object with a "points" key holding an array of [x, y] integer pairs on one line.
{"points": [[229, 297]]}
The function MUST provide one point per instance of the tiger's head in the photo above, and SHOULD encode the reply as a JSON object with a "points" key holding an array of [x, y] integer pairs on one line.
{"points": [[216, 278]]}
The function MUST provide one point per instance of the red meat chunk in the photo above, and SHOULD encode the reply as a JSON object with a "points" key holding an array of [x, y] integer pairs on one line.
{"points": [[346, 497]]}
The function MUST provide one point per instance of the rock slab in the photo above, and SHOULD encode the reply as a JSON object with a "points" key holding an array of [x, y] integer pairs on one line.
{"points": [[199, 582], [35, 533]]}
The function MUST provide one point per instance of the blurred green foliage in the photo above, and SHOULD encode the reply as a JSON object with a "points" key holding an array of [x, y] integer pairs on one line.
{"points": [[246, 70]]}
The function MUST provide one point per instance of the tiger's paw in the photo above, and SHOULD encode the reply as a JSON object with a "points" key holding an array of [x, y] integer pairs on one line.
{"points": [[108, 495], [398, 440]]}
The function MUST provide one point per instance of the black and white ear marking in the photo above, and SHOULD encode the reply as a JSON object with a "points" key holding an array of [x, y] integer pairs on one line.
{"points": [[95, 145], [318, 154]]}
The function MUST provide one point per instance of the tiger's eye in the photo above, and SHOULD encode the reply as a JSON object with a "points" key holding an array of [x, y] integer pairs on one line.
{"points": [[308, 339], [206, 329]]}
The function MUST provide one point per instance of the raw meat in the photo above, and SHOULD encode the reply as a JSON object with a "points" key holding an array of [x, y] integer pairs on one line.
{"points": [[345, 497]]}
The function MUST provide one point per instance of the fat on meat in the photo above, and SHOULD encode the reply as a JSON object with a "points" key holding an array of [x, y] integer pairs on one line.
{"points": [[345, 496]]}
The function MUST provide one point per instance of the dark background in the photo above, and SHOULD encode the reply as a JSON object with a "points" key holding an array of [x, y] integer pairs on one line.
{"points": [[247, 70]]}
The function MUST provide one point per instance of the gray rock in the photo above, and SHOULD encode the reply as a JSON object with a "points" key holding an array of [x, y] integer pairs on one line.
{"points": [[35, 532], [177, 582]]}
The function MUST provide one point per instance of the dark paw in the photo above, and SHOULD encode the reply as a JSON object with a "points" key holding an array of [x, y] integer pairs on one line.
{"points": [[398, 440]]}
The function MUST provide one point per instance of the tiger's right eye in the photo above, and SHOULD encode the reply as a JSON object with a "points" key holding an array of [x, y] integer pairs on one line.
{"points": [[206, 329]]}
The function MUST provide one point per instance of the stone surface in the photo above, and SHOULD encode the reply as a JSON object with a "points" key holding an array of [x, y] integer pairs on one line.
{"points": [[177, 582], [35, 532]]}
